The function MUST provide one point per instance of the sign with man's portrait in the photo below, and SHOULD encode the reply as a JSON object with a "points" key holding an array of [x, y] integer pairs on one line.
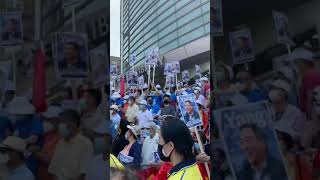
{"points": [[141, 81], [11, 29], [99, 65], [132, 78], [198, 70], [185, 76], [168, 69], [132, 59], [72, 55], [281, 23], [176, 67], [250, 142], [170, 80], [242, 46], [189, 110], [113, 70]]}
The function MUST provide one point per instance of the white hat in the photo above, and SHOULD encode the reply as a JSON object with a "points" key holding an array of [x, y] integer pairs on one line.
{"points": [[112, 89], [282, 84], [15, 143], [20, 106], [135, 129], [197, 88], [301, 54], [199, 102], [204, 79], [116, 95], [145, 86], [126, 97], [158, 86], [52, 112], [153, 126], [115, 107], [143, 102]]}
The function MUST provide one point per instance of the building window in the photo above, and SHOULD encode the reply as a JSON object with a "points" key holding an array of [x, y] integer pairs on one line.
{"points": [[191, 36]]}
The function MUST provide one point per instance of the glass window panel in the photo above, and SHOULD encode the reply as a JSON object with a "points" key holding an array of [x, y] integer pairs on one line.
{"points": [[165, 14], [206, 18], [182, 3], [168, 29], [207, 28], [206, 7], [195, 13], [167, 21], [164, 7], [168, 38], [169, 47], [190, 26], [192, 5], [191, 36]]}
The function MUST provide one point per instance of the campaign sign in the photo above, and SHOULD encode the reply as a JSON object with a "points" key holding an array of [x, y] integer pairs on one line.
{"points": [[124, 158], [176, 67], [282, 28], [250, 142], [140, 81], [72, 55], [170, 80], [132, 78], [113, 70], [189, 110], [152, 57], [11, 29], [99, 60], [242, 46], [198, 70], [132, 59], [156, 157], [168, 69], [185, 76]]}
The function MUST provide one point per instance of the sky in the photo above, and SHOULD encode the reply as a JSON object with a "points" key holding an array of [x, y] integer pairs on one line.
{"points": [[115, 28]]}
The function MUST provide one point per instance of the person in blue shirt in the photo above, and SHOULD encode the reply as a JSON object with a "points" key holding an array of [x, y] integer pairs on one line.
{"points": [[27, 126], [5, 127], [153, 108], [188, 88], [248, 88]]}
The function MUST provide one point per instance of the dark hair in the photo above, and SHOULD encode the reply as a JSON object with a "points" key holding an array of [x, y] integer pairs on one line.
{"points": [[286, 138], [176, 131], [72, 116], [132, 98], [188, 101], [123, 126], [139, 90], [256, 130], [166, 95], [96, 94]]}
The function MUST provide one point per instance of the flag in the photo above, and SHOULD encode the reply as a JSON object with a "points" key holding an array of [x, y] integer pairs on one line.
{"points": [[39, 98], [122, 86]]}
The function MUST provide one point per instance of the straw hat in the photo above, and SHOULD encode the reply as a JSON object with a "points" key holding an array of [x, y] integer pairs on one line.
{"points": [[15, 143], [115, 107], [135, 130]]}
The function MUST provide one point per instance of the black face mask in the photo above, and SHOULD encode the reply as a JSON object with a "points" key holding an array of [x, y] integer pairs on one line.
{"points": [[166, 101], [161, 155]]}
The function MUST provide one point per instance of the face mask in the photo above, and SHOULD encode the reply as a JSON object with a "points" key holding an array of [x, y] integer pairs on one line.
{"points": [[274, 96], [126, 136], [150, 102], [166, 101], [197, 147], [47, 127], [162, 155], [220, 76], [64, 131], [4, 158], [142, 107], [99, 145]]}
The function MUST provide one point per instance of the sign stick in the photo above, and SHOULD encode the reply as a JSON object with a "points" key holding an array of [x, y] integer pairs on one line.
{"points": [[154, 70], [149, 69], [202, 150]]}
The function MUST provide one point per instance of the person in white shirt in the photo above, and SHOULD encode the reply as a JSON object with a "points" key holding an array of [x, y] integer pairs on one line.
{"points": [[287, 118], [115, 119], [199, 96], [144, 115], [150, 145], [132, 111], [12, 164]]}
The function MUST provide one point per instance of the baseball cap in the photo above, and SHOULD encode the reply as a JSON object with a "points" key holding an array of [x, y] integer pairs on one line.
{"points": [[282, 84]]}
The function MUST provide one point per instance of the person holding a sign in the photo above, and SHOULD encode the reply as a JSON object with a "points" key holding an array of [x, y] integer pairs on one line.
{"points": [[149, 148], [176, 146], [259, 163], [131, 154]]}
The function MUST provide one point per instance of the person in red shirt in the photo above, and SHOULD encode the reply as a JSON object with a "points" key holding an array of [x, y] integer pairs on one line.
{"points": [[310, 77]]}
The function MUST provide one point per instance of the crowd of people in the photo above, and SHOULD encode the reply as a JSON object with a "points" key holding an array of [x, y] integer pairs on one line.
{"points": [[292, 92], [150, 139]]}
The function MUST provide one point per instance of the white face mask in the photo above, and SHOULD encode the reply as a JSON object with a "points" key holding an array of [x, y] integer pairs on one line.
{"points": [[274, 96], [4, 158], [47, 127]]}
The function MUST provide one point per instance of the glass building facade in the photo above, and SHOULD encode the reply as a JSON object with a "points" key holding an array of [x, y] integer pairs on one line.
{"points": [[167, 24]]}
